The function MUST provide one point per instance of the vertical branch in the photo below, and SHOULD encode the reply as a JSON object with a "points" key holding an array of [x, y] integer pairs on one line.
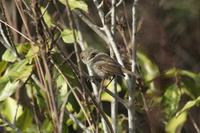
{"points": [[103, 118], [130, 80], [42, 35], [94, 86], [108, 33], [114, 105], [131, 111], [134, 46]]}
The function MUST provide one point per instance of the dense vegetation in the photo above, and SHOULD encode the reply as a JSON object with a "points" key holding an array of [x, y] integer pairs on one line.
{"points": [[44, 86]]}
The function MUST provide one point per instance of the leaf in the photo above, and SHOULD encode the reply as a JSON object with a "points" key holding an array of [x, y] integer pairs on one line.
{"points": [[14, 76], [8, 56], [8, 90], [47, 17], [8, 109], [150, 70], [73, 4], [105, 96], [188, 73], [190, 82], [24, 122], [69, 107], [47, 126], [63, 89], [22, 49], [67, 36], [171, 72], [33, 51], [3, 65], [170, 101], [189, 105], [176, 123], [19, 71]]}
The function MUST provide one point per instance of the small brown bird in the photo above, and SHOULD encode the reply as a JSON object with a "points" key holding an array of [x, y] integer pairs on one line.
{"points": [[102, 64]]}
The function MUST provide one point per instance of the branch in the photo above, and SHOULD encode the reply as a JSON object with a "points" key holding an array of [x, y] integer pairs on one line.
{"points": [[71, 116]]}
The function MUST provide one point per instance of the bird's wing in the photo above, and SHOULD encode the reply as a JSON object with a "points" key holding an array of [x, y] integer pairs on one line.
{"points": [[110, 68]]}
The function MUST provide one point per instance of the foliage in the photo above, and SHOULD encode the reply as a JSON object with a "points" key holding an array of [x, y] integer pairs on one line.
{"points": [[44, 87]]}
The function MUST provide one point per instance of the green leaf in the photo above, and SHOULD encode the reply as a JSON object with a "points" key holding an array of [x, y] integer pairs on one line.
{"points": [[171, 72], [67, 36], [73, 4], [19, 71], [105, 96], [24, 122], [8, 90], [47, 17], [170, 101], [63, 89], [22, 49], [3, 65], [8, 109], [176, 123], [189, 105], [33, 51], [9, 56], [14, 76], [69, 107], [47, 126], [191, 83], [150, 70]]}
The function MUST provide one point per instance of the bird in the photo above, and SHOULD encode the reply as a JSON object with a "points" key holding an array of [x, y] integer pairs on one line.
{"points": [[102, 64]]}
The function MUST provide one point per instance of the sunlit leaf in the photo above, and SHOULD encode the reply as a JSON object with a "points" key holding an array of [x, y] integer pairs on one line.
{"points": [[47, 17], [62, 89], [24, 122], [171, 72], [170, 101], [80, 4], [9, 56], [8, 90], [20, 70], [189, 105], [187, 73], [3, 65], [14, 76], [47, 126], [69, 107], [9, 107], [105, 96], [67, 36], [33, 51], [22, 49], [150, 70], [176, 123]]}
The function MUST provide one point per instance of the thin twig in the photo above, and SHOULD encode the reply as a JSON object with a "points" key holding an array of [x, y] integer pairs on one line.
{"points": [[196, 127], [27, 38], [71, 116], [94, 27], [131, 111], [65, 99], [95, 89]]}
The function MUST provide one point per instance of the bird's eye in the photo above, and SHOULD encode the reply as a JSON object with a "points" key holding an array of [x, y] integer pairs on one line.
{"points": [[93, 55]]}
